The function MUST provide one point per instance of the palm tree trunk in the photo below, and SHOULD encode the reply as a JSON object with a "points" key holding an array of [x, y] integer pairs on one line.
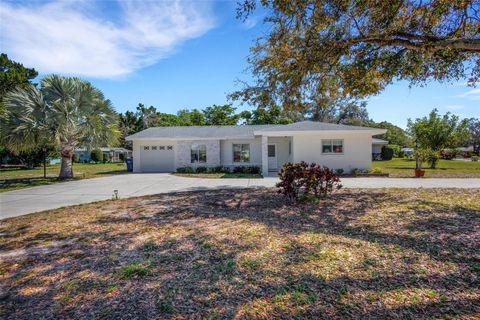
{"points": [[66, 170]]}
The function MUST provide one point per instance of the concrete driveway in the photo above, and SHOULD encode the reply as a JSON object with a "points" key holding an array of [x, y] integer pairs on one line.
{"points": [[20, 202]]}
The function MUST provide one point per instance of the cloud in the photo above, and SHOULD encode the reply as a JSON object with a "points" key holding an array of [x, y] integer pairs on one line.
{"points": [[84, 38], [473, 94]]}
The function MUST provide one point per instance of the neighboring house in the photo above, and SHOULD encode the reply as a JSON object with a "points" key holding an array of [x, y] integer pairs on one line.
{"points": [[84, 154], [377, 145], [408, 151], [163, 149]]}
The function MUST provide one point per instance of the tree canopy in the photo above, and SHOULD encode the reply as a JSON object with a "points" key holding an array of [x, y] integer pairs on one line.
{"points": [[394, 135], [13, 75], [437, 132], [318, 51], [68, 112], [474, 134]]}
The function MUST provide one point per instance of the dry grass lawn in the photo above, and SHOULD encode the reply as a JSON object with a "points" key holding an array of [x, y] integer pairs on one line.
{"points": [[383, 254]]}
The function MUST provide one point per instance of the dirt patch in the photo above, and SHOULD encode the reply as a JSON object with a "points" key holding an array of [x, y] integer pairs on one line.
{"points": [[385, 253]]}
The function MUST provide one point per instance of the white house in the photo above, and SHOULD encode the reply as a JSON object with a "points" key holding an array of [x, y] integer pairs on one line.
{"points": [[163, 149]]}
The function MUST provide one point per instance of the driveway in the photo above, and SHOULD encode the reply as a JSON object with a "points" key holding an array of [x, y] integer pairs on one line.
{"points": [[20, 202]]}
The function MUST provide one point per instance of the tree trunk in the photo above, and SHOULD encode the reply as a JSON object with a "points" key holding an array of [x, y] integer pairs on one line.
{"points": [[66, 170]]}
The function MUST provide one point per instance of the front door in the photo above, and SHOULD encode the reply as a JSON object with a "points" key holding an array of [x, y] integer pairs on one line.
{"points": [[272, 157]]}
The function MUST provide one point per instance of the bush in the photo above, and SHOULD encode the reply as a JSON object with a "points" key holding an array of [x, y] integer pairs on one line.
{"points": [[474, 158], [355, 171], [252, 169], [387, 153], [339, 171], [122, 156], [301, 180], [396, 149], [377, 170], [106, 157], [239, 169], [401, 154], [76, 158], [185, 170], [96, 155], [201, 170]]}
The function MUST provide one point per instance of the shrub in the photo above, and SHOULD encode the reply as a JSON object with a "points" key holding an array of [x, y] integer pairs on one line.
{"points": [[185, 170], [401, 154], [239, 169], [339, 171], [76, 158], [475, 158], [302, 179], [377, 170], [252, 169], [355, 171], [201, 170], [96, 155], [396, 149], [122, 156], [106, 157], [387, 153]]}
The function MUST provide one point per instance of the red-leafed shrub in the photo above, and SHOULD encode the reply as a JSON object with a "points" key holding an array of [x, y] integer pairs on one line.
{"points": [[302, 179]]}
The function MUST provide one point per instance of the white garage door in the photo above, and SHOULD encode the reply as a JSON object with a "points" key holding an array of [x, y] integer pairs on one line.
{"points": [[157, 158]]}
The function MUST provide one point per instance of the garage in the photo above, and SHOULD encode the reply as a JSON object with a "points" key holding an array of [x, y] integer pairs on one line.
{"points": [[157, 158]]}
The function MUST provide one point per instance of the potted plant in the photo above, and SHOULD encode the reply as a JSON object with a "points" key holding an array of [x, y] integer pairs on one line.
{"points": [[421, 155]]}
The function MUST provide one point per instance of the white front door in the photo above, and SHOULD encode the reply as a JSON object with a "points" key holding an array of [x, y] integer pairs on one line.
{"points": [[272, 157]]}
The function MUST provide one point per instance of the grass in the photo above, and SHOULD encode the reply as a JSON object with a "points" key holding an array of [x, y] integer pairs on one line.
{"points": [[12, 179], [247, 254], [220, 175], [404, 168]]}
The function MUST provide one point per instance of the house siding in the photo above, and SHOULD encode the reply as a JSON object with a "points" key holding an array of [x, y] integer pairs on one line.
{"points": [[226, 152], [357, 149], [183, 153]]}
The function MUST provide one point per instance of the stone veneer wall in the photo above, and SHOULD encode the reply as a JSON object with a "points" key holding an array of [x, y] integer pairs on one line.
{"points": [[182, 156]]}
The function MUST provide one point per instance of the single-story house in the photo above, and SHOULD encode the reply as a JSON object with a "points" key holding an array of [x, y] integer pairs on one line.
{"points": [[163, 149], [84, 153], [377, 145]]}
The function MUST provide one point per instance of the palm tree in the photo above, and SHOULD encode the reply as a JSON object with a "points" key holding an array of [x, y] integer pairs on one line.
{"points": [[68, 112]]}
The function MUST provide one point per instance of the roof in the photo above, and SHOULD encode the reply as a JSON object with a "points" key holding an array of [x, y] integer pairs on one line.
{"points": [[105, 149], [241, 131], [379, 141]]}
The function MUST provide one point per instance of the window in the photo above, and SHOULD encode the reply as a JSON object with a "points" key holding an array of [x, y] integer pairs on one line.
{"points": [[332, 146], [198, 153], [289, 147], [154, 147], [162, 147], [271, 150], [241, 153], [170, 148], [146, 148]]}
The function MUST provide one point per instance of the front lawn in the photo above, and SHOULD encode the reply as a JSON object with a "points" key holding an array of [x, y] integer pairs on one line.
{"points": [[11, 179], [220, 175], [404, 168], [379, 254]]}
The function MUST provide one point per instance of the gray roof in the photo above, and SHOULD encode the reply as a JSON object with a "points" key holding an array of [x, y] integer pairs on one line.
{"points": [[238, 132], [379, 141]]}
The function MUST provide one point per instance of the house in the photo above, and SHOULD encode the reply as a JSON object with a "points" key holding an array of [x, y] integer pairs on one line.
{"points": [[377, 145], [114, 153], [163, 149]]}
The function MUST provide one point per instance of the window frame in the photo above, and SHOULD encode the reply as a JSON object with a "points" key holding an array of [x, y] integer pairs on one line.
{"points": [[331, 146], [197, 150], [241, 150]]}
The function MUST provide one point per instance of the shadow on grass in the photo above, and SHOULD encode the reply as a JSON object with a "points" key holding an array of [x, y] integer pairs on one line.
{"points": [[196, 266]]}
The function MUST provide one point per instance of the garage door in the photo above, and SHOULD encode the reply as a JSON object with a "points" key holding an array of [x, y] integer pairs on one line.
{"points": [[157, 158]]}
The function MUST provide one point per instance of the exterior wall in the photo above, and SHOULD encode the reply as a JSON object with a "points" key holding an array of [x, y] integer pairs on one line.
{"points": [[226, 152], [137, 146], [357, 150], [283, 155], [183, 153]]}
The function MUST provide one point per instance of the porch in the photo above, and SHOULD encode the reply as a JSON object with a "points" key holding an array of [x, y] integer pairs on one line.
{"points": [[276, 151]]}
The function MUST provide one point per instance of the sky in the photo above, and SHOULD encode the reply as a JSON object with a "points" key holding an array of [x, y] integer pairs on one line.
{"points": [[175, 54]]}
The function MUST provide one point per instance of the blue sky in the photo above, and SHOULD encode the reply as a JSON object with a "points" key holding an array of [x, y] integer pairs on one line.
{"points": [[174, 54]]}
